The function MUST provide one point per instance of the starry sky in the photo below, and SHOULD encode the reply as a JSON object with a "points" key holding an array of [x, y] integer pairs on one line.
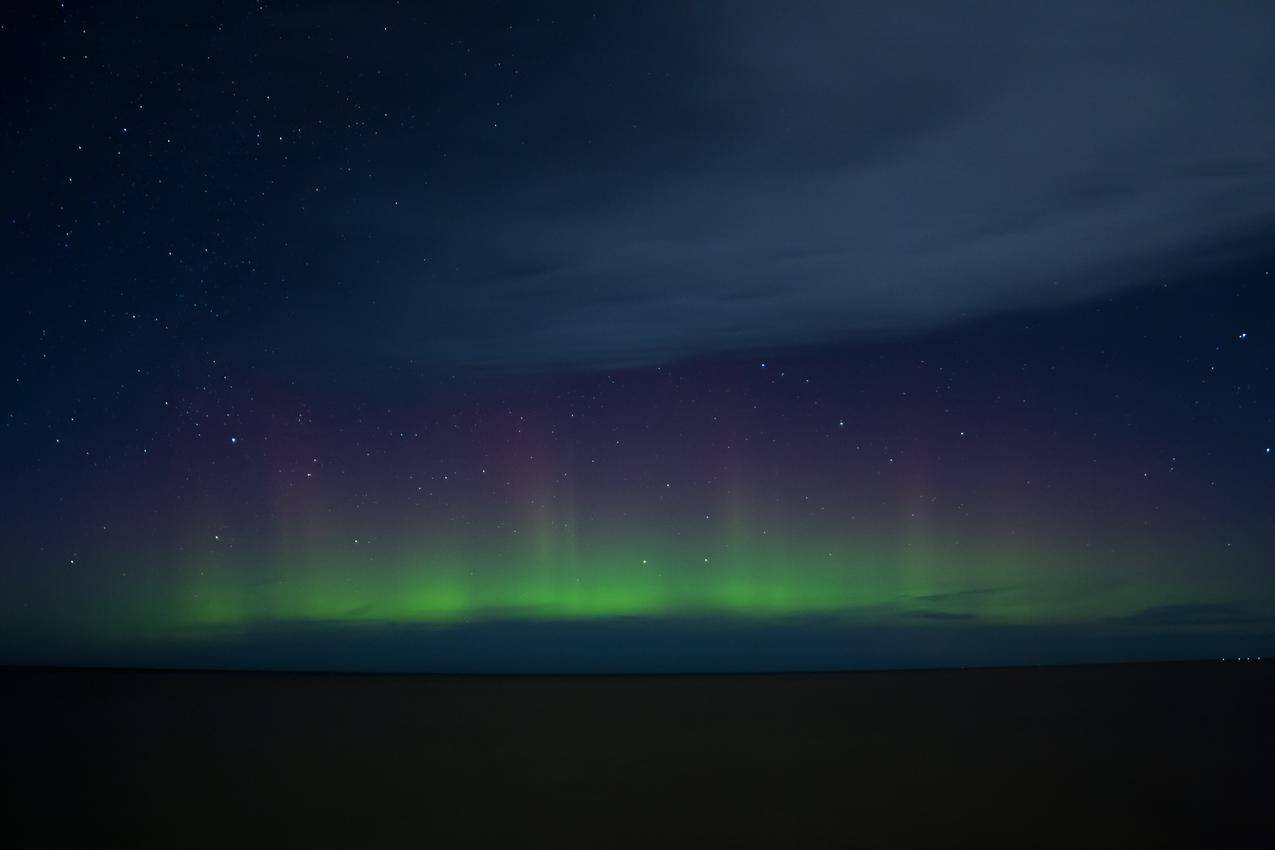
{"points": [[535, 337]]}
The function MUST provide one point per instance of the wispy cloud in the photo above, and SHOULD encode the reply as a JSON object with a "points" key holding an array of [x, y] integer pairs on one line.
{"points": [[825, 175], [1196, 614]]}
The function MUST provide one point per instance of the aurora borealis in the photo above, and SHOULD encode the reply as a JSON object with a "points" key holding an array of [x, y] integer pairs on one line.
{"points": [[758, 500], [403, 339]]}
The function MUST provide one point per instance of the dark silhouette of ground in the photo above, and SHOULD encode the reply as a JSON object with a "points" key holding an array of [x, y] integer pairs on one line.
{"points": [[1147, 755]]}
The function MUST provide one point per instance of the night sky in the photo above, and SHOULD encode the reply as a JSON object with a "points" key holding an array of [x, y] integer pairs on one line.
{"points": [[636, 337]]}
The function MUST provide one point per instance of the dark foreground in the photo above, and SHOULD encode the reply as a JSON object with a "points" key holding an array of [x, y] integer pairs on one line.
{"points": [[1119, 756]]}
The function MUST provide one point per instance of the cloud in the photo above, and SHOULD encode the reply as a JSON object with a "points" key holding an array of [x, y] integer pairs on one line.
{"points": [[1196, 614], [926, 614], [737, 177], [957, 595]]}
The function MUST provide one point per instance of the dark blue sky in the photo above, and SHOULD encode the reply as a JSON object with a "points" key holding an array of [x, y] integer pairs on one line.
{"points": [[312, 307]]}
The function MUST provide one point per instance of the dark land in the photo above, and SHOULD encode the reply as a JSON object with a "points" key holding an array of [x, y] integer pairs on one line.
{"points": [[1146, 755]]}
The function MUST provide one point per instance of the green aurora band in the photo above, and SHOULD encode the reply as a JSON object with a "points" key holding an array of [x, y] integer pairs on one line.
{"points": [[756, 578]]}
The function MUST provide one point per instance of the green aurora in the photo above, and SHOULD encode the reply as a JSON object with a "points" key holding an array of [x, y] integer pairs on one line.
{"points": [[749, 579]]}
